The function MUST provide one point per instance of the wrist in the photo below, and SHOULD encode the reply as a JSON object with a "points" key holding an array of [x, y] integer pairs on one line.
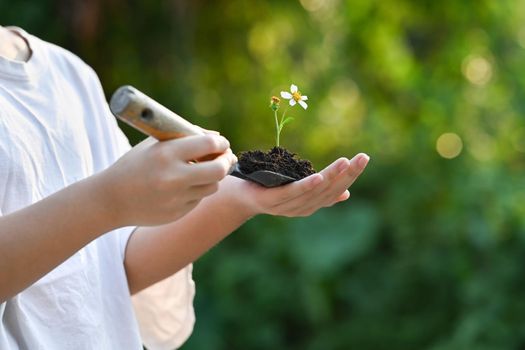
{"points": [[238, 200], [105, 201]]}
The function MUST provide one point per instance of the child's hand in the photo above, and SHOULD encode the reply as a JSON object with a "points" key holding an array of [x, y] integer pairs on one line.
{"points": [[157, 182], [304, 197]]}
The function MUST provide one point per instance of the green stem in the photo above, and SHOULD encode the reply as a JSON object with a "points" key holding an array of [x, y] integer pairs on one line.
{"points": [[279, 124], [276, 128]]}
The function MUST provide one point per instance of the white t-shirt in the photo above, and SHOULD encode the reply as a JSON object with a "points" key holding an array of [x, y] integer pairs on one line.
{"points": [[56, 129]]}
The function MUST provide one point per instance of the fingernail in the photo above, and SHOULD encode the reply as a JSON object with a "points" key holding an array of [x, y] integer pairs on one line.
{"points": [[363, 161]]}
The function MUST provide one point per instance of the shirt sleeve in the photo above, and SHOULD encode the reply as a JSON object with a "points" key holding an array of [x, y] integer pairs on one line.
{"points": [[123, 235], [165, 311]]}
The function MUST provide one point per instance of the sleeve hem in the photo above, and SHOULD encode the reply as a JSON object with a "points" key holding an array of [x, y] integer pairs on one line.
{"points": [[165, 312]]}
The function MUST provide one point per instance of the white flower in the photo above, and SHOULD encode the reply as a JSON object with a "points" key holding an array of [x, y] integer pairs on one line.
{"points": [[295, 96]]}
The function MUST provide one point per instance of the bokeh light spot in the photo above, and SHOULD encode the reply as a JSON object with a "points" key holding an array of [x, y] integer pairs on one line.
{"points": [[344, 94], [262, 40], [449, 145], [477, 70]]}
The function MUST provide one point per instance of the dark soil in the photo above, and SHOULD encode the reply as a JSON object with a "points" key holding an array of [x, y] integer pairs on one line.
{"points": [[278, 160]]}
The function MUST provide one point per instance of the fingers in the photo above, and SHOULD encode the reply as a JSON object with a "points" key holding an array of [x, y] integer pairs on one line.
{"points": [[336, 168], [295, 189], [311, 186], [358, 164], [194, 147], [314, 189], [343, 197], [337, 177], [211, 171], [349, 171], [172, 160]]}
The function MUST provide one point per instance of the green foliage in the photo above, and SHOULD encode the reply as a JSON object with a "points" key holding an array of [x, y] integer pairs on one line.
{"points": [[429, 253]]}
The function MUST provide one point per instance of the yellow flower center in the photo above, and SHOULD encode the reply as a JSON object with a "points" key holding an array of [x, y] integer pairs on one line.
{"points": [[296, 96]]}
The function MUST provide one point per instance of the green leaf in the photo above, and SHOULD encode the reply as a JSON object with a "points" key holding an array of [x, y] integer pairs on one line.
{"points": [[284, 122]]}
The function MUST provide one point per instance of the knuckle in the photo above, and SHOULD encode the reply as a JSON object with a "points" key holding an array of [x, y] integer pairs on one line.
{"points": [[167, 182], [211, 143], [216, 143], [354, 172]]}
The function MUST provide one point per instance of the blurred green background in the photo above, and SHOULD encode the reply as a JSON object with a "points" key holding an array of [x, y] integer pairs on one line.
{"points": [[429, 253]]}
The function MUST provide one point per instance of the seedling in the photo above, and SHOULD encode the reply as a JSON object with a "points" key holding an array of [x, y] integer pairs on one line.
{"points": [[294, 97]]}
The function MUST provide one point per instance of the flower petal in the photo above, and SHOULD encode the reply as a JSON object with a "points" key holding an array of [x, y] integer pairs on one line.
{"points": [[303, 104], [304, 98], [286, 95], [292, 102], [293, 88]]}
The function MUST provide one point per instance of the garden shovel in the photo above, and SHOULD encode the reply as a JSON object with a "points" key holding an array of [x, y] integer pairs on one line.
{"points": [[147, 115]]}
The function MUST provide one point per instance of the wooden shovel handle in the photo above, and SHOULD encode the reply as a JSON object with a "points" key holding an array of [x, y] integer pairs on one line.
{"points": [[147, 115]]}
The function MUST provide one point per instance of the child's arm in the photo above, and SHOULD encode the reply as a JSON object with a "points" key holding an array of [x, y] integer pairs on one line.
{"points": [[154, 253], [150, 185]]}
